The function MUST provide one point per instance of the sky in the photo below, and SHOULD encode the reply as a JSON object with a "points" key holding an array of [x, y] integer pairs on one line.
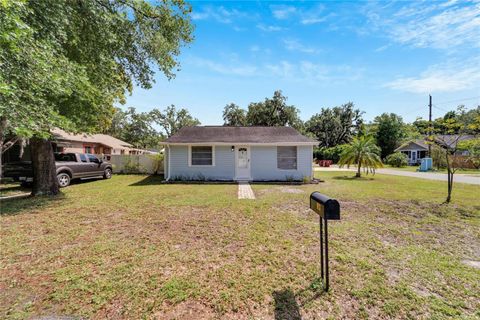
{"points": [[382, 56]]}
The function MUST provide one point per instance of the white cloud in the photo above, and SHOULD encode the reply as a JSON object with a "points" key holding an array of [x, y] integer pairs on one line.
{"points": [[254, 48], [306, 16], [269, 28], [282, 11], [283, 69], [219, 14], [298, 71], [447, 77], [314, 73], [382, 48], [446, 25], [295, 45], [232, 68]]}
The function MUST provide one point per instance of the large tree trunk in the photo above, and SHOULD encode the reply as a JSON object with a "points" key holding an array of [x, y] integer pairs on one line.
{"points": [[44, 171]]}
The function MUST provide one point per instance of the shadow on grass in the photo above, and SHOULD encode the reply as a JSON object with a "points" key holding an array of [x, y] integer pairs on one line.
{"points": [[149, 181], [286, 306], [12, 189], [353, 178], [26, 205], [159, 180], [288, 303]]}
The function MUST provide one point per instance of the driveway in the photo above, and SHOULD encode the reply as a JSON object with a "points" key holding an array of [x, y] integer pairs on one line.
{"points": [[458, 178]]}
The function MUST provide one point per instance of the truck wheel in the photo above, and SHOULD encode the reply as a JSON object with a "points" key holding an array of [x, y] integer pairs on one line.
{"points": [[107, 174], [63, 180]]}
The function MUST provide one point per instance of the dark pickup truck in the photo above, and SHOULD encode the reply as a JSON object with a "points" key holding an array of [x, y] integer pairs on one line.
{"points": [[69, 166]]}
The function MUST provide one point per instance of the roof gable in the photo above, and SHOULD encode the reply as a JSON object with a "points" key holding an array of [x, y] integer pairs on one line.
{"points": [[413, 145], [104, 139], [227, 134]]}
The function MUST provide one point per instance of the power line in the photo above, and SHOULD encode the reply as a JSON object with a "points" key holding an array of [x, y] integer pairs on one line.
{"points": [[457, 100], [436, 107]]}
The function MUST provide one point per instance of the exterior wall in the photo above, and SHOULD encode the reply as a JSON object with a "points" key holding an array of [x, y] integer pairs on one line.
{"points": [[72, 146], [264, 164], [224, 168]]}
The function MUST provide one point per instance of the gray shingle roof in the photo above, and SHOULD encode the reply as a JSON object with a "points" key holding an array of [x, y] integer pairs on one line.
{"points": [[444, 140], [224, 134]]}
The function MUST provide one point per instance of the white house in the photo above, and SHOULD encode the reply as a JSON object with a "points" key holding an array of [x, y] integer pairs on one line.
{"points": [[238, 153]]}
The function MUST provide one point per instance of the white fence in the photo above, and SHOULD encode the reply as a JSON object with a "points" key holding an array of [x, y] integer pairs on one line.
{"points": [[144, 163]]}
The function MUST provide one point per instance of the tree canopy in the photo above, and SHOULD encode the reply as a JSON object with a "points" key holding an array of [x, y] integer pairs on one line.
{"points": [[65, 63], [390, 130], [233, 115], [171, 120], [273, 112], [334, 126]]}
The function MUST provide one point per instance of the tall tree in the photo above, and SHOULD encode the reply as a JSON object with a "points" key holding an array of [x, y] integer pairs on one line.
{"points": [[65, 63], [334, 126], [273, 112], [171, 120], [135, 128], [233, 115], [390, 130]]}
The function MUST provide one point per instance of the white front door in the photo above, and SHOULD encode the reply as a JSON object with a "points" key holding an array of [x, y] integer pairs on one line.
{"points": [[414, 156], [243, 162]]}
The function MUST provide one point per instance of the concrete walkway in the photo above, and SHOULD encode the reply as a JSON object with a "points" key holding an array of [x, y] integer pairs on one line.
{"points": [[245, 191], [457, 178]]}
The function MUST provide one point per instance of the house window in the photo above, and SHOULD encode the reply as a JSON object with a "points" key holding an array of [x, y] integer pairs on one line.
{"points": [[201, 156], [88, 149], [287, 158]]}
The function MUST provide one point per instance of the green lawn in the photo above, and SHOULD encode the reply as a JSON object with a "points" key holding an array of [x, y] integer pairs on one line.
{"points": [[133, 248], [414, 168]]}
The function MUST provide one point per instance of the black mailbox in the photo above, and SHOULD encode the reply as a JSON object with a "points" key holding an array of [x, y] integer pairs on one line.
{"points": [[326, 207]]}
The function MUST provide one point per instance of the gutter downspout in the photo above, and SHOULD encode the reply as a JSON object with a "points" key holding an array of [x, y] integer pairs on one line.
{"points": [[168, 165]]}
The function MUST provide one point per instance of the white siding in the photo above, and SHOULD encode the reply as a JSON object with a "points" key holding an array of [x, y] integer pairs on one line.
{"points": [[264, 164], [224, 168]]}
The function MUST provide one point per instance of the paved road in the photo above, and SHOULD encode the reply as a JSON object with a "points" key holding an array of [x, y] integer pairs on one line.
{"points": [[458, 178]]}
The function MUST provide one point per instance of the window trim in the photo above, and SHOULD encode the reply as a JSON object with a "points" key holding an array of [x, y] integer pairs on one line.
{"points": [[296, 159], [201, 165]]}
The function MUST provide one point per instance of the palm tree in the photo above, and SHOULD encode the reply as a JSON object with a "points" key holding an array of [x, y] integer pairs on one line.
{"points": [[363, 152]]}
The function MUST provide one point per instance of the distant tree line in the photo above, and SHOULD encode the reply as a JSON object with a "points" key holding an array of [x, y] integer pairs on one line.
{"points": [[148, 129], [336, 127]]}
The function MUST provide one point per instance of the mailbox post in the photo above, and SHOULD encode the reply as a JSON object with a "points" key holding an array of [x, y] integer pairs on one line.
{"points": [[327, 209]]}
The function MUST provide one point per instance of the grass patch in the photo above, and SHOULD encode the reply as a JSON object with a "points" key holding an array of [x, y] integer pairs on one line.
{"points": [[131, 247]]}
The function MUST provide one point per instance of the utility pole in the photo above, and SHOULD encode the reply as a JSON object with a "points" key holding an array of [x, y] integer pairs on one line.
{"points": [[430, 126]]}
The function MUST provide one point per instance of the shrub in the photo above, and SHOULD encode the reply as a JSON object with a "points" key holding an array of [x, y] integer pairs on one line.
{"points": [[131, 166], [438, 157], [157, 162], [397, 159], [332, 153]]}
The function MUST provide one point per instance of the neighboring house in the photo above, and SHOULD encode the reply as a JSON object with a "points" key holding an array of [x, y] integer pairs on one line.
{"points": [[238, 153], [417, 149], [102, 144], [99, 144]]}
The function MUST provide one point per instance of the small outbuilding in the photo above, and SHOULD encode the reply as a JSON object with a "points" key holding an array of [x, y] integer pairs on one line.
{"points": [[238, 153]]}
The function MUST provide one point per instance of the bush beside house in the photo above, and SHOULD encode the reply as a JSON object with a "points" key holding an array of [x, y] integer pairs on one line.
{"points": [[397, 159]]}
